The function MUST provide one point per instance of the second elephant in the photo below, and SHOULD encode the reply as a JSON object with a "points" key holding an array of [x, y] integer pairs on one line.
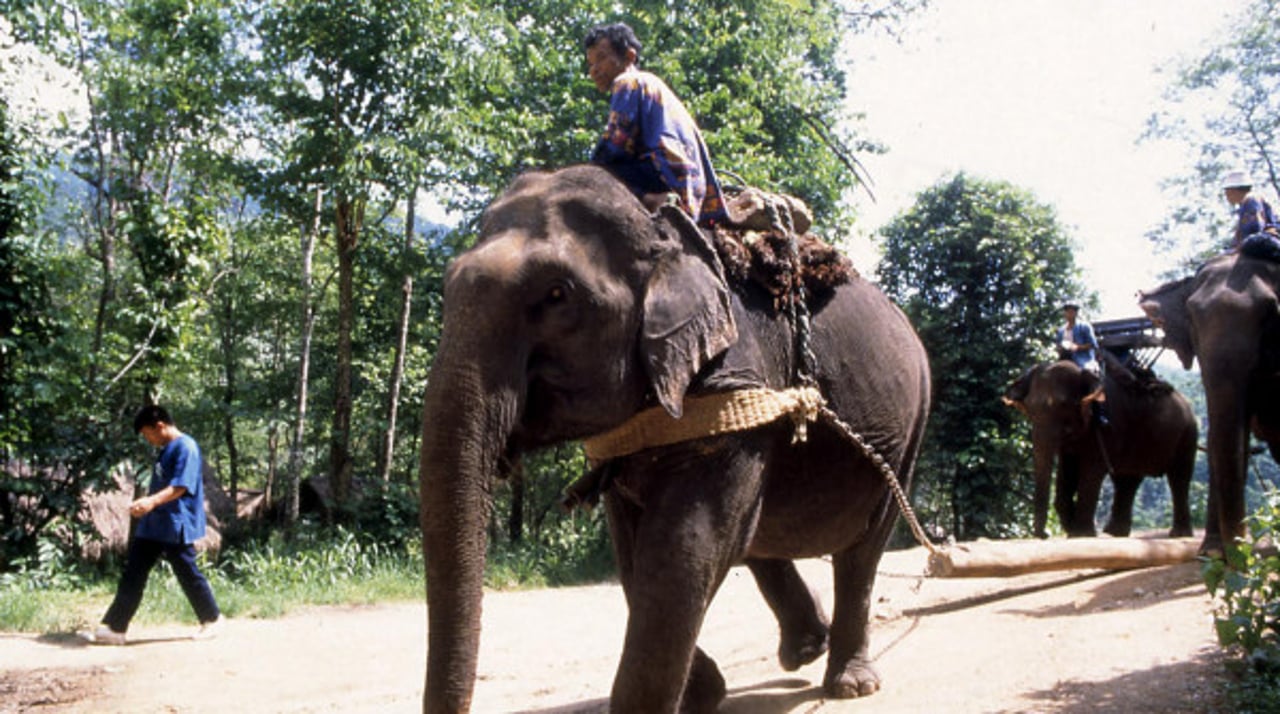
{"points": [[1152, 431]]}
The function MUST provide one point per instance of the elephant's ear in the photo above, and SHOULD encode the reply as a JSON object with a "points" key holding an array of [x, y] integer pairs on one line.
{"points": [[1016, 394], [687, 316], [1166, 306]]}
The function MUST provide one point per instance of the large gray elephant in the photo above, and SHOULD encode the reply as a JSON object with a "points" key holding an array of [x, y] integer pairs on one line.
{"points": [[1151, 431], [1227, 317], [575, 311]]}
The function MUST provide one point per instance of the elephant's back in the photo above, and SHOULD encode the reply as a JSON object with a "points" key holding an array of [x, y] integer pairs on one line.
{"points": [[871, 363]]}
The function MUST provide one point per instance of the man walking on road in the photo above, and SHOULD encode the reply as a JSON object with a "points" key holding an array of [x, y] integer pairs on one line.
{"points": [[170, 519]]}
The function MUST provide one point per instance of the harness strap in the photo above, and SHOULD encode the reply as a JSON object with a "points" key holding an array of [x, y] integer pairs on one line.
{"points": [[707, 415]]}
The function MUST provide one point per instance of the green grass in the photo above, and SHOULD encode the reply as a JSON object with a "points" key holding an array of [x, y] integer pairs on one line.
{"points": [[256, 579], [272, 576]]}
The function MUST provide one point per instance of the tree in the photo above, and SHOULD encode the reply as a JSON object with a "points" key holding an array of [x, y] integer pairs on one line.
{"points": [[981, 269], [1241, 78], [365, 83]]}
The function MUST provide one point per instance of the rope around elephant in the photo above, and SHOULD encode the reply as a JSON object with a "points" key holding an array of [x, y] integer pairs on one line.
{"points": [[740, 410]]}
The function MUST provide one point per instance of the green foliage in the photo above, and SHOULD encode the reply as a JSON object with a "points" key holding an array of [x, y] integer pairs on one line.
{"points": [[159, 256], [980, 268], [1240, 79], [569, 551], [1246, 589]]}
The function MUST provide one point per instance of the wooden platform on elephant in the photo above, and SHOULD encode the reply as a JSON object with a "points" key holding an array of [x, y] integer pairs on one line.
{"points": [[998, 559]]}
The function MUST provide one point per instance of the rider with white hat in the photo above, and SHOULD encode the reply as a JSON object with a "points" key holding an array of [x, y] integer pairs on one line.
{"points": [[1253, 215]]}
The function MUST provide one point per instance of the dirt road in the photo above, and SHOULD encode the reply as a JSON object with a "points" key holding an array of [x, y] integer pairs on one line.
{"points": [[1075, 642]]}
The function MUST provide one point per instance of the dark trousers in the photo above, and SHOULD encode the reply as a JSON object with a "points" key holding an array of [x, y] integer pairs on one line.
{"points": [[640, 176], [142, 557]]}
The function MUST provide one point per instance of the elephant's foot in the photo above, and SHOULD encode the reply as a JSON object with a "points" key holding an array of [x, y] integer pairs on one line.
{"points": [[1042, 534], [1118, 530], [800, 648], [705, 688], [1181, 532], [1211, 546], [856, 679]]}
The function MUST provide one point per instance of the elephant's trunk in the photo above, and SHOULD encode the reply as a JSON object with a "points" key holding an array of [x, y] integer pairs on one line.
{"points": [[466, 421], [1045, 451]]}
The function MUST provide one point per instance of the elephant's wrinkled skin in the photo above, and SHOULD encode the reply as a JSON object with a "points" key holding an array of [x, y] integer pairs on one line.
{"points": [[1226, 316], [575, 310], [1152, 431]]}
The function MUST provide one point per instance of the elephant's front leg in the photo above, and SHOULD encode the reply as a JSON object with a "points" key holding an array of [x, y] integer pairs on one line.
{"points": [[678, 524]]}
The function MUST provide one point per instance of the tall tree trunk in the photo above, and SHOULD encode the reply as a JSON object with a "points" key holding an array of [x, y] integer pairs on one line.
{"points": [[402, 342], [293, 476], [348, 214], [229, 393]]}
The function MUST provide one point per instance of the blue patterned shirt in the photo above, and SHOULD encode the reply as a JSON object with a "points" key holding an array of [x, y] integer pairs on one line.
{"points": [[649, 125], [1252, 216]]}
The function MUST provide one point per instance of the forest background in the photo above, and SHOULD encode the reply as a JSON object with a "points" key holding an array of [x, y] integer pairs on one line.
{"points": [[229, 220]]}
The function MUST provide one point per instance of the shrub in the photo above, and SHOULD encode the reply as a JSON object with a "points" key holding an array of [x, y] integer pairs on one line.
{"points": [[1246, 586]]}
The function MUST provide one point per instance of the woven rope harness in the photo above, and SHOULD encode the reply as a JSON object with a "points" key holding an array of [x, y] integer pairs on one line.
{"points": [[728, 412], [707, 415]]}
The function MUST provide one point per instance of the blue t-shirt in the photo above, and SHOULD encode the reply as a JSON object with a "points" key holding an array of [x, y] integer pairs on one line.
{"points": [[181, 520]]}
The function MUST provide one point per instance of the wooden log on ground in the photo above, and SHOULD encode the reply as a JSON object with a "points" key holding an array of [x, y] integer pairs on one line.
{"points": [[999, 559]]}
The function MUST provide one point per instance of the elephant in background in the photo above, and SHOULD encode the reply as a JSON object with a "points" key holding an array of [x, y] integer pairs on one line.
{"points": [[1227, 317], [578, 309], [1151, 431]]}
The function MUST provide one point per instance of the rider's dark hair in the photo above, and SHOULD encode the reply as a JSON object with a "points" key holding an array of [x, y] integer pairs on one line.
{"points": [[620, 36]]}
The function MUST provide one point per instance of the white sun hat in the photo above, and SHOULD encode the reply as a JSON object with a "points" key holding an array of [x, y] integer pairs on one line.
{"points": [[1236, 179]]}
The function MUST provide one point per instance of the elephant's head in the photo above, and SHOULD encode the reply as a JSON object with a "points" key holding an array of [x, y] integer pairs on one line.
{"points": [[575, 309], [1056, 398], [1166, 306]]}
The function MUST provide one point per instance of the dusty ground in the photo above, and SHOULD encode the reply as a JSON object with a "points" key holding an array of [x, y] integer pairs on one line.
{"points": [[1076, 642]]}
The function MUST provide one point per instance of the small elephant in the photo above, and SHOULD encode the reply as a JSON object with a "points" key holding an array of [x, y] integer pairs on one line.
{"points": [[1227, 316], [576, 310], [1151, 430]]}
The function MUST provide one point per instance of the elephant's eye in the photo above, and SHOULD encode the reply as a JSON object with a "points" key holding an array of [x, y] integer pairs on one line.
{"points": [[558, 293]]}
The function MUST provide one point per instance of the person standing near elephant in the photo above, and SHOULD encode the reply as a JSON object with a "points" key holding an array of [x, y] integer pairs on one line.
{"points": [[1076, 341], [171, 518], [651, 142], [1253, 215]]}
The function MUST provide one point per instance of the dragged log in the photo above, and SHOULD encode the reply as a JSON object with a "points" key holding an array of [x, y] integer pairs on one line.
{"points": [[1000, 559]]}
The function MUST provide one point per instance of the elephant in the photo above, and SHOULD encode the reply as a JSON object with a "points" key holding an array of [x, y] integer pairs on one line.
{"points": [[576, 310], [1151, 430], [1226, 316]]}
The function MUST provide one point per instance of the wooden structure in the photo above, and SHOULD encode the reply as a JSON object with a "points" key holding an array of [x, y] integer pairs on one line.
{"points": [[1132, 340]]}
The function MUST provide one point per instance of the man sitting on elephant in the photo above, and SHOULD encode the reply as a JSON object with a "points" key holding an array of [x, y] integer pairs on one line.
{"points": [[651, 142], [1253, 214], [1076, 341]]}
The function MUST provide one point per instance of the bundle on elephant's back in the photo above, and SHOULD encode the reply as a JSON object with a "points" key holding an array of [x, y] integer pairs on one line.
{"points": [[764, 257]]}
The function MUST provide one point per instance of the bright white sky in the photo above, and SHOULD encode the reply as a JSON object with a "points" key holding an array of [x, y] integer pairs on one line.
{"points": [[1049, 95]]}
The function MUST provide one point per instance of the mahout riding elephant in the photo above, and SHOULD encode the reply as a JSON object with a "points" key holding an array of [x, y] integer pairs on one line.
{"points": [[576, 311], [1150, 431], [1226, 316]]}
